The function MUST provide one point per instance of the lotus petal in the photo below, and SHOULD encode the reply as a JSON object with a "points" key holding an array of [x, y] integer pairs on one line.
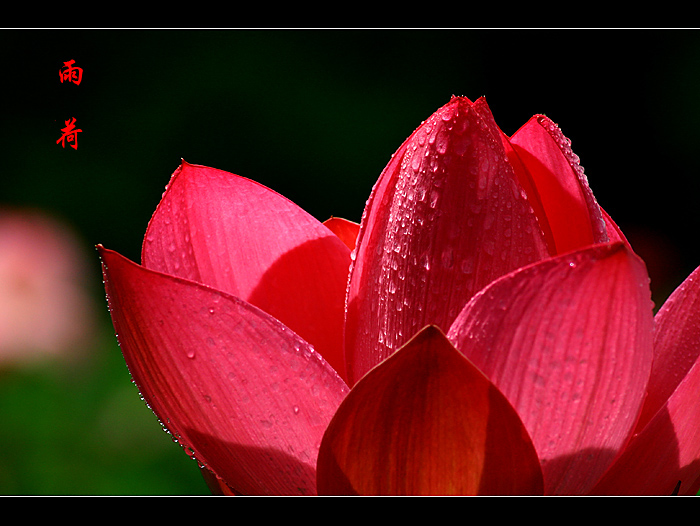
{"points": [[246, 397], [238, 236], [427, 422], [345, 230], [666, 446], [447, 216], [568, 341], [556, 184]]}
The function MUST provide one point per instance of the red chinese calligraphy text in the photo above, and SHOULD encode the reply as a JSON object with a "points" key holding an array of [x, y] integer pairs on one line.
{"points": [[70, 135], [70, 73]]}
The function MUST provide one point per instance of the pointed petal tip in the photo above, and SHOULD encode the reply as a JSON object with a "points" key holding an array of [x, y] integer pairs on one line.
{"points": [[104, 253], [431, 393], [436, 205], [462, 99]]}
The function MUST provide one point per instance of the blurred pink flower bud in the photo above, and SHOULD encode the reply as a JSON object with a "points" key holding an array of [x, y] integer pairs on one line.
{"points": [[44, 302]]}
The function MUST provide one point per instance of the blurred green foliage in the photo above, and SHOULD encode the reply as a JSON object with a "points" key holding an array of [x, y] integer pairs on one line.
{"points": [[82, 429]]}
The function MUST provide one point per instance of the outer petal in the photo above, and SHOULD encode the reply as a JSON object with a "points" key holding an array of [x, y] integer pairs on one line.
{"points": [[446, 217], [665, 452], [427, 422], [569, 343], [242, 393], [242, 238], [614, 232], [676, 344], [667, 447], [551, 174]]}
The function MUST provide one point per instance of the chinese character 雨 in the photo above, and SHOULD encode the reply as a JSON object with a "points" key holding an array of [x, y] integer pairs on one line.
{"points": [[70, 134], [71, 74]]}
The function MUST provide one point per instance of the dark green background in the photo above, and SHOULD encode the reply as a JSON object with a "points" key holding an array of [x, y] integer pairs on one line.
{"points": [[316, 116]]}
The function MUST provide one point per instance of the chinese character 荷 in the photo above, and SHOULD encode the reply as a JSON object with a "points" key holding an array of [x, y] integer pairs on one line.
{"points": [[70, 73], [70, 134]]}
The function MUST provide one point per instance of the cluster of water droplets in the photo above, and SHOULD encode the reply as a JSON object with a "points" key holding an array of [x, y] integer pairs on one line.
{"points": [[454, 189], [564, 144]]}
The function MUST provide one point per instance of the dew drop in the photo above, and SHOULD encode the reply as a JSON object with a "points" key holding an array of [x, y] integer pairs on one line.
{"points": [[467, 265], [447, 258], [441, 145], [434, 196], [415, 163], [426, 262], [447, 114]]}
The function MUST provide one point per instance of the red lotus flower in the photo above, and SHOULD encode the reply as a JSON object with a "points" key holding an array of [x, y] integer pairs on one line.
{"points": [[495, 334]]}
